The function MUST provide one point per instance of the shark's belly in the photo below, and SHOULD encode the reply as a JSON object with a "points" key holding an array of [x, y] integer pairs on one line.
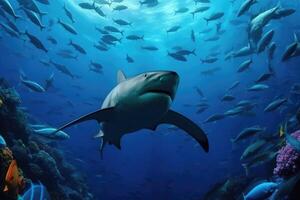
{"points": [[124, 123], [133, 114]]}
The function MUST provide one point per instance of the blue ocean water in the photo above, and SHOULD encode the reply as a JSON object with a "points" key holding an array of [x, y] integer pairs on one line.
{"points": [[164, 164]]}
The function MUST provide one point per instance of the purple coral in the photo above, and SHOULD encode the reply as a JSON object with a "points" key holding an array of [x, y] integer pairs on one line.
{"points": [[288, 159]]}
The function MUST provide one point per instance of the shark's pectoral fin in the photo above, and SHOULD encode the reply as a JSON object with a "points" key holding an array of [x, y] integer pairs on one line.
{"points": [[172, 117], [100, 115]]}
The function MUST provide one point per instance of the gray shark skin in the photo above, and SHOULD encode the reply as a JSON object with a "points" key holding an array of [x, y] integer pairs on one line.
{"points": [[140, 102]]}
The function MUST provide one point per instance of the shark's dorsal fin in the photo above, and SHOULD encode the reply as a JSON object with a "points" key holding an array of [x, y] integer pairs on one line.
{"points": [[121, 76]]}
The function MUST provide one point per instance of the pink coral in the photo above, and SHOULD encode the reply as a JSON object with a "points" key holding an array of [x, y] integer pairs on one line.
{"points": [[288, 159]]}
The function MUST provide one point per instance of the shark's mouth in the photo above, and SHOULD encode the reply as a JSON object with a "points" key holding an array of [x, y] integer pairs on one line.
{"points": [[164, 92]]}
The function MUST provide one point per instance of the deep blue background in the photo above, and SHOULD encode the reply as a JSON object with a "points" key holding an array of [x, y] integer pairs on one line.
{"points": [[160, 164]]}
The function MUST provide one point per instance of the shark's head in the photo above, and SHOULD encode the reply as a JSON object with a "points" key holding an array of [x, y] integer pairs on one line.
{"points": [[157, 85], [145, 92]]}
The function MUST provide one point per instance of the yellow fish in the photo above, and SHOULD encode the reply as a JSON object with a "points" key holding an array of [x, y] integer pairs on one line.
{"points": [[282, 130]]}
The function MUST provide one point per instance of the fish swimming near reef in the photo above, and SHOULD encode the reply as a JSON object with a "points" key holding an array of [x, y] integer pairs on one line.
{"points": [[87, 6], [259, 159], [7, 7], [291, 50], [129, 59], [248, 132], [258, 23], [2, 142], [68, 13], [244, 66], [146, 98], [275, 105], [264, 77], [177, 57], [10, 31], [173, 29], [209, 60], [200, 10], [244, 51], [258, 87], [234, 85], [36, 192], [214, 118], [291, 140], [33, 86], [13, 180], [227, 97], [253, 149], [149, 48], [67, 27], [51, 133], [265, 41], [235, 111], [34, 18], [214, 16], [62, 68], [261, 191], [35, 41], [245, 7], [281, 131]]}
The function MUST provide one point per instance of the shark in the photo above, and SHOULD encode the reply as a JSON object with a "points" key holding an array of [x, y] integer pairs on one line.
{"points": [[140, 102]]}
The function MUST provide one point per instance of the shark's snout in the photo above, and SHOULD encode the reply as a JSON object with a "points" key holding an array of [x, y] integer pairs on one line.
{"points": [[164, 83], [169, 76]]}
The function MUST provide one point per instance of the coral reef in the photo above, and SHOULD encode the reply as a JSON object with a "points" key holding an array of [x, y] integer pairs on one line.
{"points": [[229, 188], [288, 160], [11, 117], [39, 160], [5, 159]]}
